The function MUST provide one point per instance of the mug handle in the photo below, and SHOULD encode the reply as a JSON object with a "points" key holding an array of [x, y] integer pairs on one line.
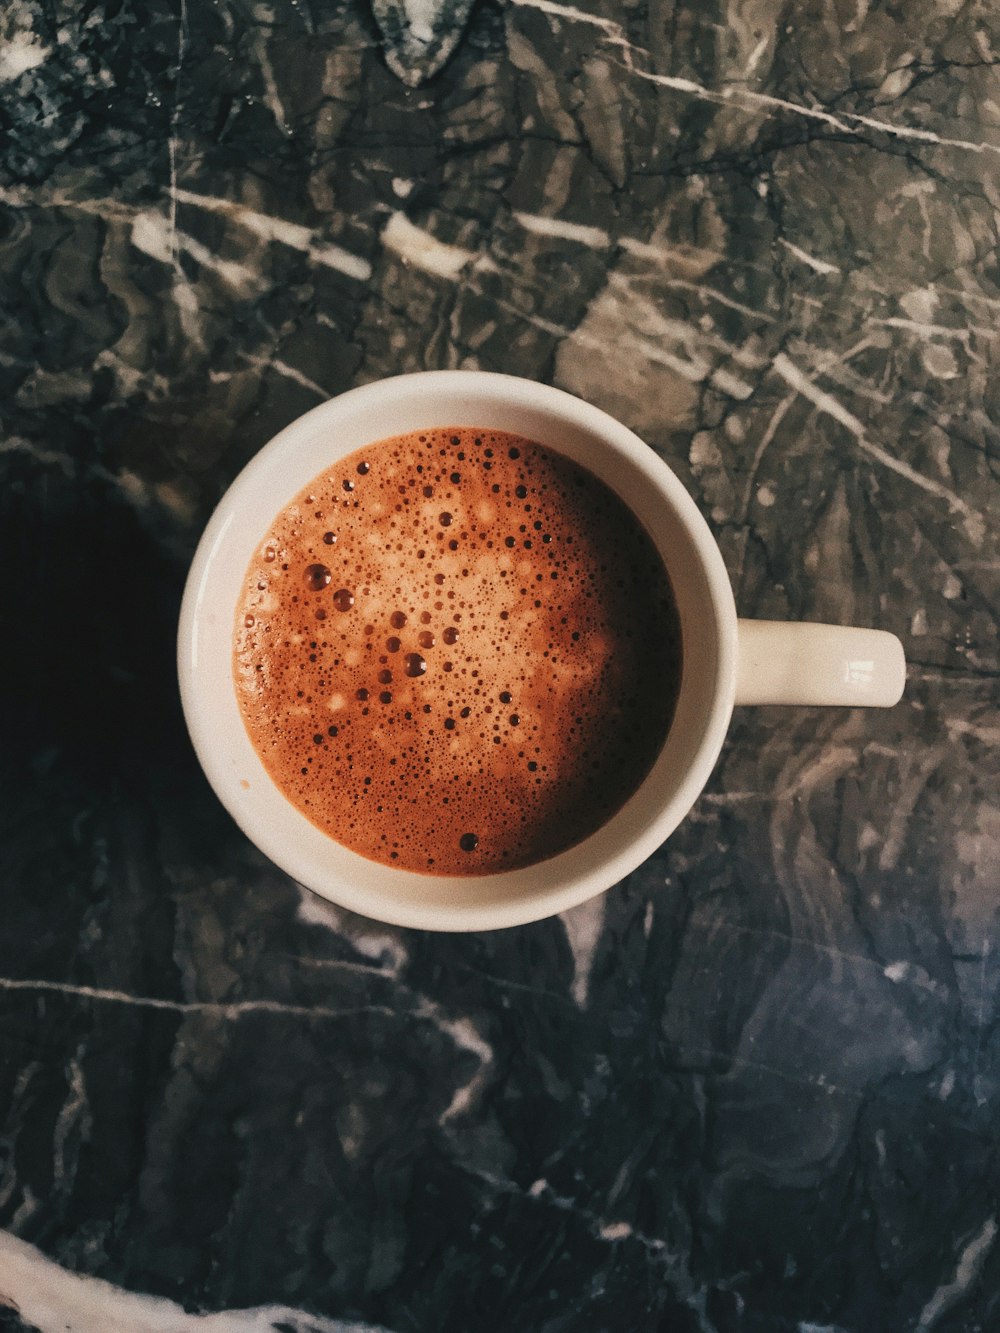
{"points": [[782, 663]]}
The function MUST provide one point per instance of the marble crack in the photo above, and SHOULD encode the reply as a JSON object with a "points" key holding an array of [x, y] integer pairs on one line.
{"points": [[613, 32], [287, 372], [737, 1064], [462, 1031], [504, 983], [825, 402], [842, 955], [234, 1010], [777, 416], [911, 789], [542, 1192], [272, 95], [172, 141], [846, 122], [612, 1231]]}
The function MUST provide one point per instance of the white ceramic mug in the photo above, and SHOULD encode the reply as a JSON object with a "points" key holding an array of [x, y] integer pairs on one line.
{"points": [[726, 661]]}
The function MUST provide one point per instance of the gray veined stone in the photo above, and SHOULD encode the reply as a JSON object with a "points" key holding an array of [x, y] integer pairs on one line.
{"points": [[418, 36]]}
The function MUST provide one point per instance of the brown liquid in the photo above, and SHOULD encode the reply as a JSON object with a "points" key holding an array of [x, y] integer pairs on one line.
{"points": [[457, 652]]}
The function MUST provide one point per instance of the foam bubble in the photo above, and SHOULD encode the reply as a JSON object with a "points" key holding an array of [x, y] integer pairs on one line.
{"points": [[317, 577]]}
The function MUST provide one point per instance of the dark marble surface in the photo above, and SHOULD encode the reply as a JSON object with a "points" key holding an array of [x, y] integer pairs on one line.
{"points": [[756, 1087]]}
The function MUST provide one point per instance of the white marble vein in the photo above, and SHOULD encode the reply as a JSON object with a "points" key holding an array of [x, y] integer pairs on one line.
{"points": [[596, 238], [418, 247], [288, 372], [234, 1010], [382, 944], [462, 1031], [280, 230], [385, 947], [817, 265], [466, 1037], [749, 99], [613, 31], [20, 51], [967, 1270], [272, 93], [583, 926], [159, 237], [74, 1117], [53, 1300], [825, 402], [847, 123], [925, 329], [581, 234], [958, 726], [15, 444]]}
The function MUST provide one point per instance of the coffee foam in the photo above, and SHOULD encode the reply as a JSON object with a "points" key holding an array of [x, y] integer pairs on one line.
{"points": [[457, 652]]}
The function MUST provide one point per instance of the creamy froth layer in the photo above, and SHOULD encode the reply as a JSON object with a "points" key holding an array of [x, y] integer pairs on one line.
{"points": [[457, 652]]}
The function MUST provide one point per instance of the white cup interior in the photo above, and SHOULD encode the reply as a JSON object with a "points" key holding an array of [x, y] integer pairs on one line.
{"points": [[564, 423]]}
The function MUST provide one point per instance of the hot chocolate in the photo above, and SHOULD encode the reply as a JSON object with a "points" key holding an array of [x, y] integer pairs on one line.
{"points": [[457, 652]]}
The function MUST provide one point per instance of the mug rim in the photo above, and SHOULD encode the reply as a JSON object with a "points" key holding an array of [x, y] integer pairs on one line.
{"points": [[609, 434]]}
